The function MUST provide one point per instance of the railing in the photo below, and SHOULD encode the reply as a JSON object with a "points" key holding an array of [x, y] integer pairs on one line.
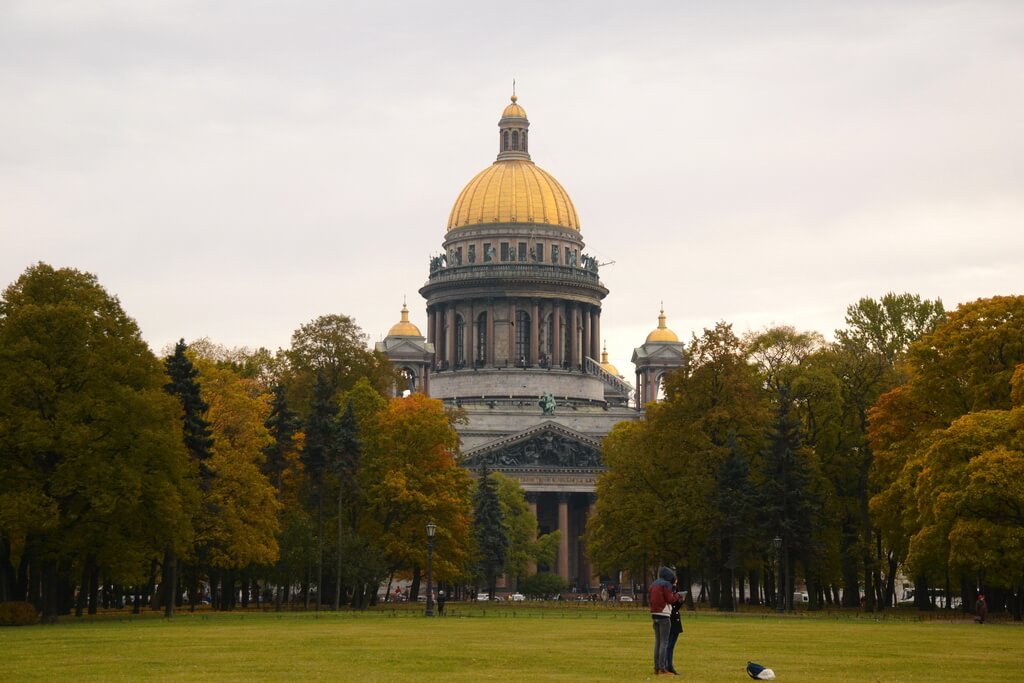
{"points": [[592, 367], [530, 270]]}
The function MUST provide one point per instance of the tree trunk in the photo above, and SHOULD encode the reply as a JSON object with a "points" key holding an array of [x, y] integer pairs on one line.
{"points": [[94, 588], [49, 591], [169, 582], [319, 551], [337, 568]]}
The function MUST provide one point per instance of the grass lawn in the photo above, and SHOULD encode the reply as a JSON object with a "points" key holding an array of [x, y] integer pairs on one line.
{"points": [[504, 643]]}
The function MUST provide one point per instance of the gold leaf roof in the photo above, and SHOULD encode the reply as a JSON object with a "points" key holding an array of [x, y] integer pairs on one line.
{"points": [[662, 333], [513, 191], [404, 328]]}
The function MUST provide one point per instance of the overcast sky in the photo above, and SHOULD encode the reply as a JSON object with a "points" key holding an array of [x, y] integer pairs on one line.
{"points": [[235, 169]]}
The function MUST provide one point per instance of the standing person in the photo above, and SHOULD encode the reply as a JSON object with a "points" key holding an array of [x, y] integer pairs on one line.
{"points": [[440, 603], [675, 628], [661, 597], [981, 609]]}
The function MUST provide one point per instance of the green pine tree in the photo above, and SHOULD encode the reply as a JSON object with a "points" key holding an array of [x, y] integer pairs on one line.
{"points": [[489, 531]]}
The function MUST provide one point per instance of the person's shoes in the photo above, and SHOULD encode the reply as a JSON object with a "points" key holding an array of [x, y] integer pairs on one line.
{"points": [[664, 672], [673, 672]]}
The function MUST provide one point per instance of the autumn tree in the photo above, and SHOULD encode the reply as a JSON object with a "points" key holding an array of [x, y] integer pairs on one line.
{"points": [[332, 348], [937, 437], [93, 471], [240, 520], [410, 476]]}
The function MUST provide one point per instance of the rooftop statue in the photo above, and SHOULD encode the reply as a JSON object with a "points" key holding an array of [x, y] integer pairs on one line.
{"points": [[547, 404]]}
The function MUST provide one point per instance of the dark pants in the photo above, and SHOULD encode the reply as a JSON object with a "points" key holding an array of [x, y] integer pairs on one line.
{"points": [[661, 636], [672, 638]]}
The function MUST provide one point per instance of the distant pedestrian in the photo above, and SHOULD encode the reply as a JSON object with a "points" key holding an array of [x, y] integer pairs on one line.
{"points": [[981, 609], [440, 603], [661, 597]]}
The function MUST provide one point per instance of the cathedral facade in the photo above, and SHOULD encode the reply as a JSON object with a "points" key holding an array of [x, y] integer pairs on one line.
{"points": [[513, 311]]}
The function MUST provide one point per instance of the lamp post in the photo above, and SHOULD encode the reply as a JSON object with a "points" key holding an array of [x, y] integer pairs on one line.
{"points": [[777, 542], [431, 530]]}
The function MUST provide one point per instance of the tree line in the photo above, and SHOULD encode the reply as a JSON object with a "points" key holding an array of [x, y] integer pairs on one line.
{"points": [[290, 478], [779, 459]]}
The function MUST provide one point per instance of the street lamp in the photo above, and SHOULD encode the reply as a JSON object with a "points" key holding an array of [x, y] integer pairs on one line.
{"points": [[777, 542], [431, 530]]}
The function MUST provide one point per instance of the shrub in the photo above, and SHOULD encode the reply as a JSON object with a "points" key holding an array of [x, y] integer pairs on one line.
{"points": [[542, 585], [18, 614]]}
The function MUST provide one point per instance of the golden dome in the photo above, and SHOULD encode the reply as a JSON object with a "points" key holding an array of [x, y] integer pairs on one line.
{"points": [[662, 334], [608, 367], [404, 328], [514, 110], [513, 191]]}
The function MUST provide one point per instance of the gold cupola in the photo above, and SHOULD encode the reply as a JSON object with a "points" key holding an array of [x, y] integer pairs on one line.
{"points": [[404, 328], [605, 365], [513, 189], [662, 334]]}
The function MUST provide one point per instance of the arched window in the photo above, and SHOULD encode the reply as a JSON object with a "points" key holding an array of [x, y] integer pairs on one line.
{"points": [[460, 340], [408, 383], [504, 141], [523, 338], [481, 339], [515, 139]]}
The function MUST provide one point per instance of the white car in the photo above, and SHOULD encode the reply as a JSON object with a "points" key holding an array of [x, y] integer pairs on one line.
{"points": [[625, 598], [482, 597], [517, 597]]}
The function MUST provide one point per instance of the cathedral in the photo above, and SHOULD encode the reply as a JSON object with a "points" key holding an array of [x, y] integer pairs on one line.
{"points": [[513, 318]]}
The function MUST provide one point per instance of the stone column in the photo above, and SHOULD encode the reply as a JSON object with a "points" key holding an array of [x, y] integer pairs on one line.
{"points": [[490, 334], [556, 347], [512, 333], [595, 327], [534, 332], [574, 348], [472, 331], [449, 336], [586, 334], [531, 501], [438, 334], [563, 526], [430, 327], [592, 578]]}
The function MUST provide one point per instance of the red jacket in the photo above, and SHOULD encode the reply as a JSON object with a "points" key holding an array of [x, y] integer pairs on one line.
{"points": [[660, 596]]}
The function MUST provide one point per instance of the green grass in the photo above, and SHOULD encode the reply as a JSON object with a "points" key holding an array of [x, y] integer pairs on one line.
{"points": [[504, 643]]}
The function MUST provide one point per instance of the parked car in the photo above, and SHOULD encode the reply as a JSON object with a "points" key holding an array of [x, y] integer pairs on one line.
{"points": [[625, 598], [517, 597], [482, 597]]}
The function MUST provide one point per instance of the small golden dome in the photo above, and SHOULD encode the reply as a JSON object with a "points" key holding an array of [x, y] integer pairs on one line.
{"points": [[404, 328], [662, 334], [608, 367], [514, 111], [513, 191]]}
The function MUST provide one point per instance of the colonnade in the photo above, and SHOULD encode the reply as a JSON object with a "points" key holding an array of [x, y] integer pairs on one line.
{"points": [[570, 512], [463, 334]]}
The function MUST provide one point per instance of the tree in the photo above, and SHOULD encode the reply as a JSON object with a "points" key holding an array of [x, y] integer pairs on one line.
{"points": [[489, 531], [319, 455], [938, 434], [240, 520], [410, 476], [333, 347], [93, 471], [183, 384]]}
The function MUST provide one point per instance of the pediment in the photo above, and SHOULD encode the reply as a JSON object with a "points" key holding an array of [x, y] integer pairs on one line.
{"points": [[548, 446]]}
